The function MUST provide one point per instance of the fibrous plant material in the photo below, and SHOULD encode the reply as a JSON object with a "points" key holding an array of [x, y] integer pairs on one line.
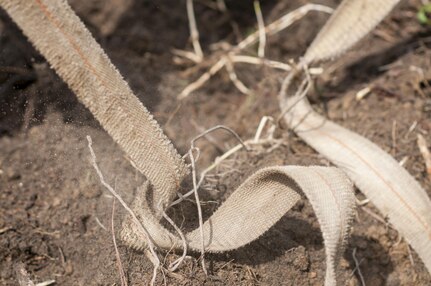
{"points": [[258, 204], [252, 209], [352, 20], [389, 186], [379, 176]]}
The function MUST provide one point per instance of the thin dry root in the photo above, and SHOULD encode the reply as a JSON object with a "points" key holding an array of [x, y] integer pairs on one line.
{"points": [[422, 144]]}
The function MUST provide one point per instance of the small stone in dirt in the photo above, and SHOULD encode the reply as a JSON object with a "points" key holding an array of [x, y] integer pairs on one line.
{"points": [[312, 275], [301, 260], [68, 269], [56, 202], [91, 192], [12, 175]]}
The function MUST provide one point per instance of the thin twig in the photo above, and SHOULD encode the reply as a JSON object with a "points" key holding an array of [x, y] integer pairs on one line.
{"points": [[202, 79], [283, 22], [117, 253], [201, 228], [174, 265], [220, 147], [222, 127], [410, 255], [230, 152], [260, 61], [358, 268], [261, 29], [422, 144], [100, 224], [194, 31], [234, 78], [374, 215], [188, 55]]}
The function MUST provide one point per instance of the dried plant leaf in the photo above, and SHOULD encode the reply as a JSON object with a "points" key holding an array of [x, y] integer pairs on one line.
{"points": [[257, 205], [351, 21], [388, 185]]}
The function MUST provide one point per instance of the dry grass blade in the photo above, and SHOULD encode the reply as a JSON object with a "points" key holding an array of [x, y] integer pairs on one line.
{"points": [[352, 20]]}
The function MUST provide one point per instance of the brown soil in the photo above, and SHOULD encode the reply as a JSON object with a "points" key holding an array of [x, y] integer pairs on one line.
{"points": [[52, 206]]}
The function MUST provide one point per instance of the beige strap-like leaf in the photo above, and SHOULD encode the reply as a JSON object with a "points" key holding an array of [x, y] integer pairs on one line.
{"points": [[388, 185], [351, 21], [257, 205]]}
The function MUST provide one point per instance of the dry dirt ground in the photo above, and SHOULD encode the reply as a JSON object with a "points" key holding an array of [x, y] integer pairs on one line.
{"points": [[55, 217]]}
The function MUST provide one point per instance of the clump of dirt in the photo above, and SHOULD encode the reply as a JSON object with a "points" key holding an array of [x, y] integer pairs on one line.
{"points": [[55, 217]]}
